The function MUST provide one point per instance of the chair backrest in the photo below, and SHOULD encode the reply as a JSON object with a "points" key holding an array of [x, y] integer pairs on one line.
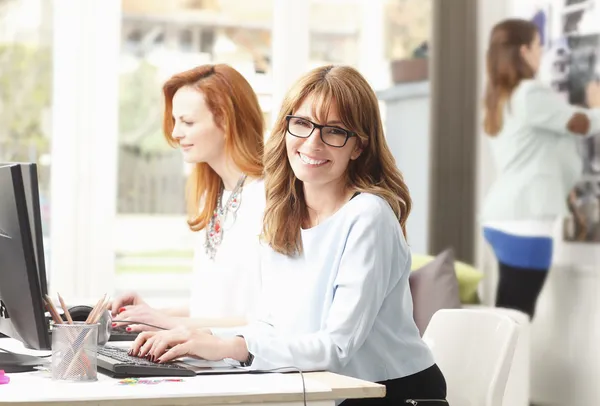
{"points": [[474, 348]]}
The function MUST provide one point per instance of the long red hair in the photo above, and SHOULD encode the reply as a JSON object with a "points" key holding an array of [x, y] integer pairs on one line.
{"points": [[236, 111], [506, 68]]}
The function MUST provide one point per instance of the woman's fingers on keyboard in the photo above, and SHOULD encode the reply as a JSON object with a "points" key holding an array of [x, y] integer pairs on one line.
{"points": [[160, 347], [175, 352], [139, 341], [167, 339], [147, 346]]}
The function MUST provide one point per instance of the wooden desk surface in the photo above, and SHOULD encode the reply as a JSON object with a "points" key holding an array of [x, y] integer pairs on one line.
{"points": [[345, 387], [27, 389], [36, 388]]}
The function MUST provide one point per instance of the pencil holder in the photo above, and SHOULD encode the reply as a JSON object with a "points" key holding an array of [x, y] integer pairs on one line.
{"points": [[74, 352]]}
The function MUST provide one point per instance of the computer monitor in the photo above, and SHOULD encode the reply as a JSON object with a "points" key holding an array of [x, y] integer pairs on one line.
{"points": [[22, 314], [32, 196]]}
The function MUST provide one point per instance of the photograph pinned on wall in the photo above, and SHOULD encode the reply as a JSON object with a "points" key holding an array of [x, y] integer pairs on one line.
{"points": [[555, 66], [583, 65], [583, 222], [570, 63], [579, 17], [569, 31]]}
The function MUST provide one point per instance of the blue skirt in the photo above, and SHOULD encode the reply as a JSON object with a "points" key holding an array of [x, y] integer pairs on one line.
{"points": [[520, 251]]}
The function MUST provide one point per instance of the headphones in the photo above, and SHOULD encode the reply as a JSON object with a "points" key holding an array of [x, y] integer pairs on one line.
{"points": [[81, 313]]}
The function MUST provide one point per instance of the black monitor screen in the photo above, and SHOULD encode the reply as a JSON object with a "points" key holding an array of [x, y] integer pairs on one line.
{"points": [[22, 315]]}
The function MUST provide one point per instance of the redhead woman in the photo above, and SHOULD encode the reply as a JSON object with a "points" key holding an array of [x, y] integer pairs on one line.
{"points": [[212, 115]]}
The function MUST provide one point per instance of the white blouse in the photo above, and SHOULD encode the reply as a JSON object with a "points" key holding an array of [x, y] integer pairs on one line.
{"points": [[344, 305], [228, 286]]}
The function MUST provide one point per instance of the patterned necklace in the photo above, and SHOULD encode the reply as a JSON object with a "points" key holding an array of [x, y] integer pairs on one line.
{"points": [[214, 231]]}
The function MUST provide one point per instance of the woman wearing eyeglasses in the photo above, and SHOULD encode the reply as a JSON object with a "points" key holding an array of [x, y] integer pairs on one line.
{"points": [[212, 115], [335, 261]]}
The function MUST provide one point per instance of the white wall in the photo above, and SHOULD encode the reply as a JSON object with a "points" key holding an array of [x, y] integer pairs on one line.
{"points": [[407, 133]]}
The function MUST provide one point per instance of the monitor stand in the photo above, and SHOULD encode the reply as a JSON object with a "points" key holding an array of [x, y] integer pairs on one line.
{"points": [[12, 363]]}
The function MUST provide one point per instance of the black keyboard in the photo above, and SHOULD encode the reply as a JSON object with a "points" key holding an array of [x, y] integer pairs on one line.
{"points": [[120, 334], [117, 363]]}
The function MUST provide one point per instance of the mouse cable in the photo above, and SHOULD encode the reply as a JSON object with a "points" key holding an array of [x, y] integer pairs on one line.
{"points": [[301, 377], [130, 322], [295, 369]]}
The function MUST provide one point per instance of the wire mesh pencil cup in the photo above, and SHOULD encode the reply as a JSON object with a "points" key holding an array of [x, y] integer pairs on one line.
{"points": [[75, 352]]}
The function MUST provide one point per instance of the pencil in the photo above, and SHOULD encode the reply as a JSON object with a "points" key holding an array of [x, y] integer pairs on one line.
{"points": [[65, 309], [101, 311], [92, 314], [53, 312]]}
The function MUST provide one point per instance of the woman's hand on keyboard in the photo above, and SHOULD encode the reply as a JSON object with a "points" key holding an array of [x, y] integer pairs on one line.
{"points": [[142, 313], [165, 346]]}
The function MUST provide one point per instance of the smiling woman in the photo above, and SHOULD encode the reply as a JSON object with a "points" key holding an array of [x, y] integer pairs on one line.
{"points": [[355, 160], [333, 231]]}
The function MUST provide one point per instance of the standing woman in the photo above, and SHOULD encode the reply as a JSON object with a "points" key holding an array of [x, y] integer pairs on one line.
{"points": [[213, 115], [533, 136]]}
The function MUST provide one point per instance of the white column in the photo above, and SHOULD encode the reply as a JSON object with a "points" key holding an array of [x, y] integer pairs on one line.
{"points": [[372, 62], [84, 147], [290, 47]]}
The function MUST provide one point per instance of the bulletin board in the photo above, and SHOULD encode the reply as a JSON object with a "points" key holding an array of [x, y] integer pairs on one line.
{"points": [[570, 33]]}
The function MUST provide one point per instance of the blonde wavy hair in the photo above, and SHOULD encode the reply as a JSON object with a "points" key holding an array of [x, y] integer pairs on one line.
{"points": [[374, 171], [236, 110]]}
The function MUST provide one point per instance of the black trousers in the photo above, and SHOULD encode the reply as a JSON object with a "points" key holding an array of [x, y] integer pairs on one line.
{"points": [[427, 384], [519, 288]]}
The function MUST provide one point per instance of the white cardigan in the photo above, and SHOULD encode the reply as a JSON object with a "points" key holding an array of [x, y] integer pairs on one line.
{"points": [[536, 156]]}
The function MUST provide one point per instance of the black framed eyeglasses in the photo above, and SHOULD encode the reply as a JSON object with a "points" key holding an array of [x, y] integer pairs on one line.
{"points": [[303, 128]]}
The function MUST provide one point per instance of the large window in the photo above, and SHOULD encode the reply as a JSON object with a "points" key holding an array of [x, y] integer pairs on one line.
{"points": [[157, 38], [26, 90]]}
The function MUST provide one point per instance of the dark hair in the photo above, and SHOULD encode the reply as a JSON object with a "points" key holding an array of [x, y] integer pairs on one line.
{"points": [[505, 67]]}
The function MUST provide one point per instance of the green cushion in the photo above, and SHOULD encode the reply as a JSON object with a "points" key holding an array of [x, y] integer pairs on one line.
{"points": [[468, 277]]}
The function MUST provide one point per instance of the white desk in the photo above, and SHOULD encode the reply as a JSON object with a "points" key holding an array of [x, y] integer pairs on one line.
{"points": [[322, 388]]}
